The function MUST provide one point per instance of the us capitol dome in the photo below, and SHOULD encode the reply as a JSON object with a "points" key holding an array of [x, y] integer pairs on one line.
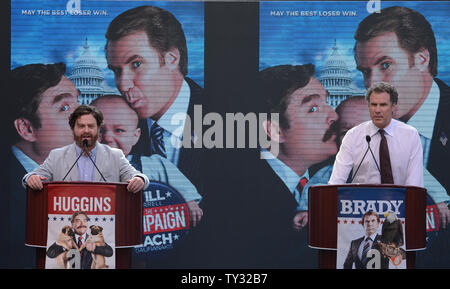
{"points": [[335, 77], [87, 76]]}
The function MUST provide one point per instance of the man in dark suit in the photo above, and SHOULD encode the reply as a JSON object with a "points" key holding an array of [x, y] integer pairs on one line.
{"points": [[357, 254], [146, 49], [147, 52], [398, 46], [40, 100], [272, 206], [79, 225]]}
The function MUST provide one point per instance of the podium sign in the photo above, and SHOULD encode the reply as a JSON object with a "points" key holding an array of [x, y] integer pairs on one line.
{"points": [[166, 223], [323, 211], [107, 205], [94, 208], [371, 226]]}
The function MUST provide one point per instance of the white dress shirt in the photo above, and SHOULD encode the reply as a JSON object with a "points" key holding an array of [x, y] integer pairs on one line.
{"points": [[405, 151], [172, 121]]}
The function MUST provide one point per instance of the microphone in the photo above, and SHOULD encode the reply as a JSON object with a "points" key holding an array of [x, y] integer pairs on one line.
{"points": [[85, 144], [360, 163], [368, 143]]}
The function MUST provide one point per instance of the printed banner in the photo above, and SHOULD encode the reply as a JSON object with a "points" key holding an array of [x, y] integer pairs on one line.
{"points": [[166, 223], [371, 228], [82, 211]]}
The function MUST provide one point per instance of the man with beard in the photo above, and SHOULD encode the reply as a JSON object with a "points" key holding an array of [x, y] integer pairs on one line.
{"points": [[79, 222], [85, 122]]}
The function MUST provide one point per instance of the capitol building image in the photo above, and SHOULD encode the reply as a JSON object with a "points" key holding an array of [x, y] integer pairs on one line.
{"points": [[335, 77], [87, 76]]}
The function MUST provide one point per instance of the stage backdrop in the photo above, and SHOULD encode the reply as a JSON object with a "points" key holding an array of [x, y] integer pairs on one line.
{"points": [[294, 33]]}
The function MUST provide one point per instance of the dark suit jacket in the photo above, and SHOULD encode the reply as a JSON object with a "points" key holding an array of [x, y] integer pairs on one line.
{"points": [[13, 252], [86, 257], [190, 159], [439, 157], [352, 256], [261, 218]]}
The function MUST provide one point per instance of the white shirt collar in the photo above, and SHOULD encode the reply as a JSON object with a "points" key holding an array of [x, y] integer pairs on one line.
{"points": [[373, 129], [426, 114], [179, 106], [28, 164]]}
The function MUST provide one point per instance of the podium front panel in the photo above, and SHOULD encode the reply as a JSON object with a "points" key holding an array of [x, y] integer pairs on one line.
{"points": [[323, 212], [128, 214]]}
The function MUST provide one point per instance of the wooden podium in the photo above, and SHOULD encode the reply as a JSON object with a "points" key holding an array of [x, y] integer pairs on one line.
{"points": [[323, 215], [128, 219]]}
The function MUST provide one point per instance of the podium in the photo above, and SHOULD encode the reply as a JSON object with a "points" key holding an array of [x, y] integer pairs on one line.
{"points": [[128, 219], [323, 215]]}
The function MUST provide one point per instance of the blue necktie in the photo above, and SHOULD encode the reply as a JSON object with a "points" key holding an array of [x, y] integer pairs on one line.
{"points": [[157, 140]]}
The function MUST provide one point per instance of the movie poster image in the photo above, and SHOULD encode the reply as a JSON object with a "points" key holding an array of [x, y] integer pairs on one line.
{"points": [[371, 228], [72, 32], [81, 228], [326, 34], [166, 222]]}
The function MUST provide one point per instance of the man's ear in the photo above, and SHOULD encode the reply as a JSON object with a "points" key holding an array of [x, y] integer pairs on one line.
{"points": [[273, 130], [422, 59], [136, 135], [172, 58], [25, 129]]}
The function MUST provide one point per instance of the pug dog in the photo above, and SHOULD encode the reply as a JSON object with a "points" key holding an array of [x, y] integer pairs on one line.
{"points": [[65, 240], [96, 237]]}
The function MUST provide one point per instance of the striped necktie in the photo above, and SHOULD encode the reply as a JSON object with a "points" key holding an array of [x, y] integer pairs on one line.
{"points": [[157, 140], [366, 249]]}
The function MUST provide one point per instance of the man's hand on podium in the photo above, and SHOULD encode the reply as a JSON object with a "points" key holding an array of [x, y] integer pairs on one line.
{"points": [[35, 182], [135, 185]]}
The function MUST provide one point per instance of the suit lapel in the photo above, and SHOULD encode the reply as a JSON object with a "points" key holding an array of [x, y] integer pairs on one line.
{"points": [[189, 161]]}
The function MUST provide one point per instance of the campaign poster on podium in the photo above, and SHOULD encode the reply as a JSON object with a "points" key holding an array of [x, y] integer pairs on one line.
{"points": [[80, 211], [371, 228], [166, 222]]}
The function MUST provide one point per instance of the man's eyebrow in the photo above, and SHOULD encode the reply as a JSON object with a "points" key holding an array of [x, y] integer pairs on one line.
{"points": [[310, 97], [61, 96], [378, 61], [129, 59]]}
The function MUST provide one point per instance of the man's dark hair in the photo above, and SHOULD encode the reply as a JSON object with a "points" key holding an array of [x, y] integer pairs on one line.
{"points": [[163, 30], [277, 83], [413, 31], [83, 110], [381, 87], [26, 85], [74, 215], [370, 213]]}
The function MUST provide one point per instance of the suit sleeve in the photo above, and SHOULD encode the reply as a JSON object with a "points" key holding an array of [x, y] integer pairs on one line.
{"points": [[348, 263], [54, 250], [127, 171], [44, 170], [106, 250]]}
